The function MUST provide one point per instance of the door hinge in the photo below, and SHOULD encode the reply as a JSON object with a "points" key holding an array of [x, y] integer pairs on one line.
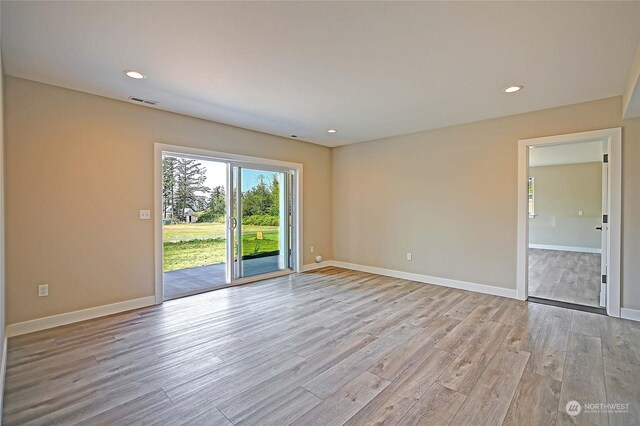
{"points": [[604, 279], [605, 218], [605, 158]]}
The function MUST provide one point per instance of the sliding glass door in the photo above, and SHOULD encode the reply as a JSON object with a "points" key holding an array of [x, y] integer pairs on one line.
{"points": [[260, 220], [224, 222]]}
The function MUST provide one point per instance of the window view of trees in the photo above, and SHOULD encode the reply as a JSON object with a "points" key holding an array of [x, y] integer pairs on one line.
{"points": [[185, 198], [194, 213], [183, 190], [261, 203], [216, 207]]}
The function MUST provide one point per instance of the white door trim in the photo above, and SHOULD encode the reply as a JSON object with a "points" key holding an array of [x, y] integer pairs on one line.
{"points": [[204, 154], [614, 138]]}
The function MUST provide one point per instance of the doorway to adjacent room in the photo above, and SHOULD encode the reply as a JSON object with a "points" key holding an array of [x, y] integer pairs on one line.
{"points": [[569, 220]]}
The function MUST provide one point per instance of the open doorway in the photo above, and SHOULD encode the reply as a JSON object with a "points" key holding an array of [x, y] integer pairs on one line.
{"points": [[223, 220], [193, 225], [566, 211], [569, 219]]}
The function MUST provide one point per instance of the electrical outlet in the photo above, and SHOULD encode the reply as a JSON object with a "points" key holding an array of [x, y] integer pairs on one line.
{"points": [[312, 249], [43, 290], [409, 256], [145, 214], [579, 212]]}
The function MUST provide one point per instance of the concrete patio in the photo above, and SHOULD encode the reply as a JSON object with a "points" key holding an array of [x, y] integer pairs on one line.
{"points": [[206, 278]]}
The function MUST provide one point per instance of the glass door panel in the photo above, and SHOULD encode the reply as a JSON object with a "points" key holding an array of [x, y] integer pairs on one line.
{"points": [[262, 217]]}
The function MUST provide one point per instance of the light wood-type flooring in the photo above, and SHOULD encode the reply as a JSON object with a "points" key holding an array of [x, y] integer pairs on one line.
{"points": [[566, 276], [328, 347]]}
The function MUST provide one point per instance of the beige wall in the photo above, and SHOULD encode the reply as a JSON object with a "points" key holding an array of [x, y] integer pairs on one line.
{"points": [[78, 169], [561, 191], [449, 196]]}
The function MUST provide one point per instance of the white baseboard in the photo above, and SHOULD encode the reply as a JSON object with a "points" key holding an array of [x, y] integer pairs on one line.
{"points": [[314, 266], [566, 248], [77, 316], [445, 282], [630, 314]]}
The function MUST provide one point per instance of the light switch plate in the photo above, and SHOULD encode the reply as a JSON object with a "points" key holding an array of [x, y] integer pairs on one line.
{"points": [[145, 214]]}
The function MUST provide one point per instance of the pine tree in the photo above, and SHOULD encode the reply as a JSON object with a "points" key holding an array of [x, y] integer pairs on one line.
{"points": [[216, 206], [190, 178], [183, 187], [169, 170]]}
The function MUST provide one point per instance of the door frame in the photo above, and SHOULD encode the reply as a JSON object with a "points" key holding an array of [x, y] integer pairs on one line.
{"points": [[613, 137], [204, 154]]}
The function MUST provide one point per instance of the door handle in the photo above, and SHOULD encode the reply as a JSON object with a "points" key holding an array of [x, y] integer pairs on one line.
{"points": [[599, 228], [234, 223]]}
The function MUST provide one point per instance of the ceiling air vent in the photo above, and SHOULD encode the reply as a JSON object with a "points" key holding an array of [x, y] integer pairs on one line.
{"points": [[143, 101]]}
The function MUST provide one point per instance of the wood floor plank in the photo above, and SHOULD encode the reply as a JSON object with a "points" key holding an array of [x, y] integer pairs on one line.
{"points": [[285, 409], [125, 413], [436, 407], [549, 349], [510, 312], [390, 405], [393, 364], [440, 304], [617, 341], [587, 323], [331, 346], [571, 277], [489, 400], [227, 383], [213, 417], [583, 378], [339, 407], [464, 372], [329, 381], [535, 401], [251, 403], [622, 387], [461, 335], [527, 327]]}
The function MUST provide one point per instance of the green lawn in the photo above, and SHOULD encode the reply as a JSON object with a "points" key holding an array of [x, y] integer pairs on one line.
{"points": [[188, 254], [205, 230], [180, 252]]}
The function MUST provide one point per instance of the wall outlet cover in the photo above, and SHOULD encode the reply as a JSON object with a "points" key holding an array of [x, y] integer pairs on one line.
{"points": [[43, 290]]}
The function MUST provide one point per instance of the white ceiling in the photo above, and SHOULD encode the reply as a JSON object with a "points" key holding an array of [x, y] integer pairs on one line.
{"points": [[370, 70], [571, 153]]}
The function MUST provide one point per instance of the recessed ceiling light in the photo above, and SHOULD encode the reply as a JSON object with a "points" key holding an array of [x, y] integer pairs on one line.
{"points": [[332, 131], [137, 75], [512, 89]]}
